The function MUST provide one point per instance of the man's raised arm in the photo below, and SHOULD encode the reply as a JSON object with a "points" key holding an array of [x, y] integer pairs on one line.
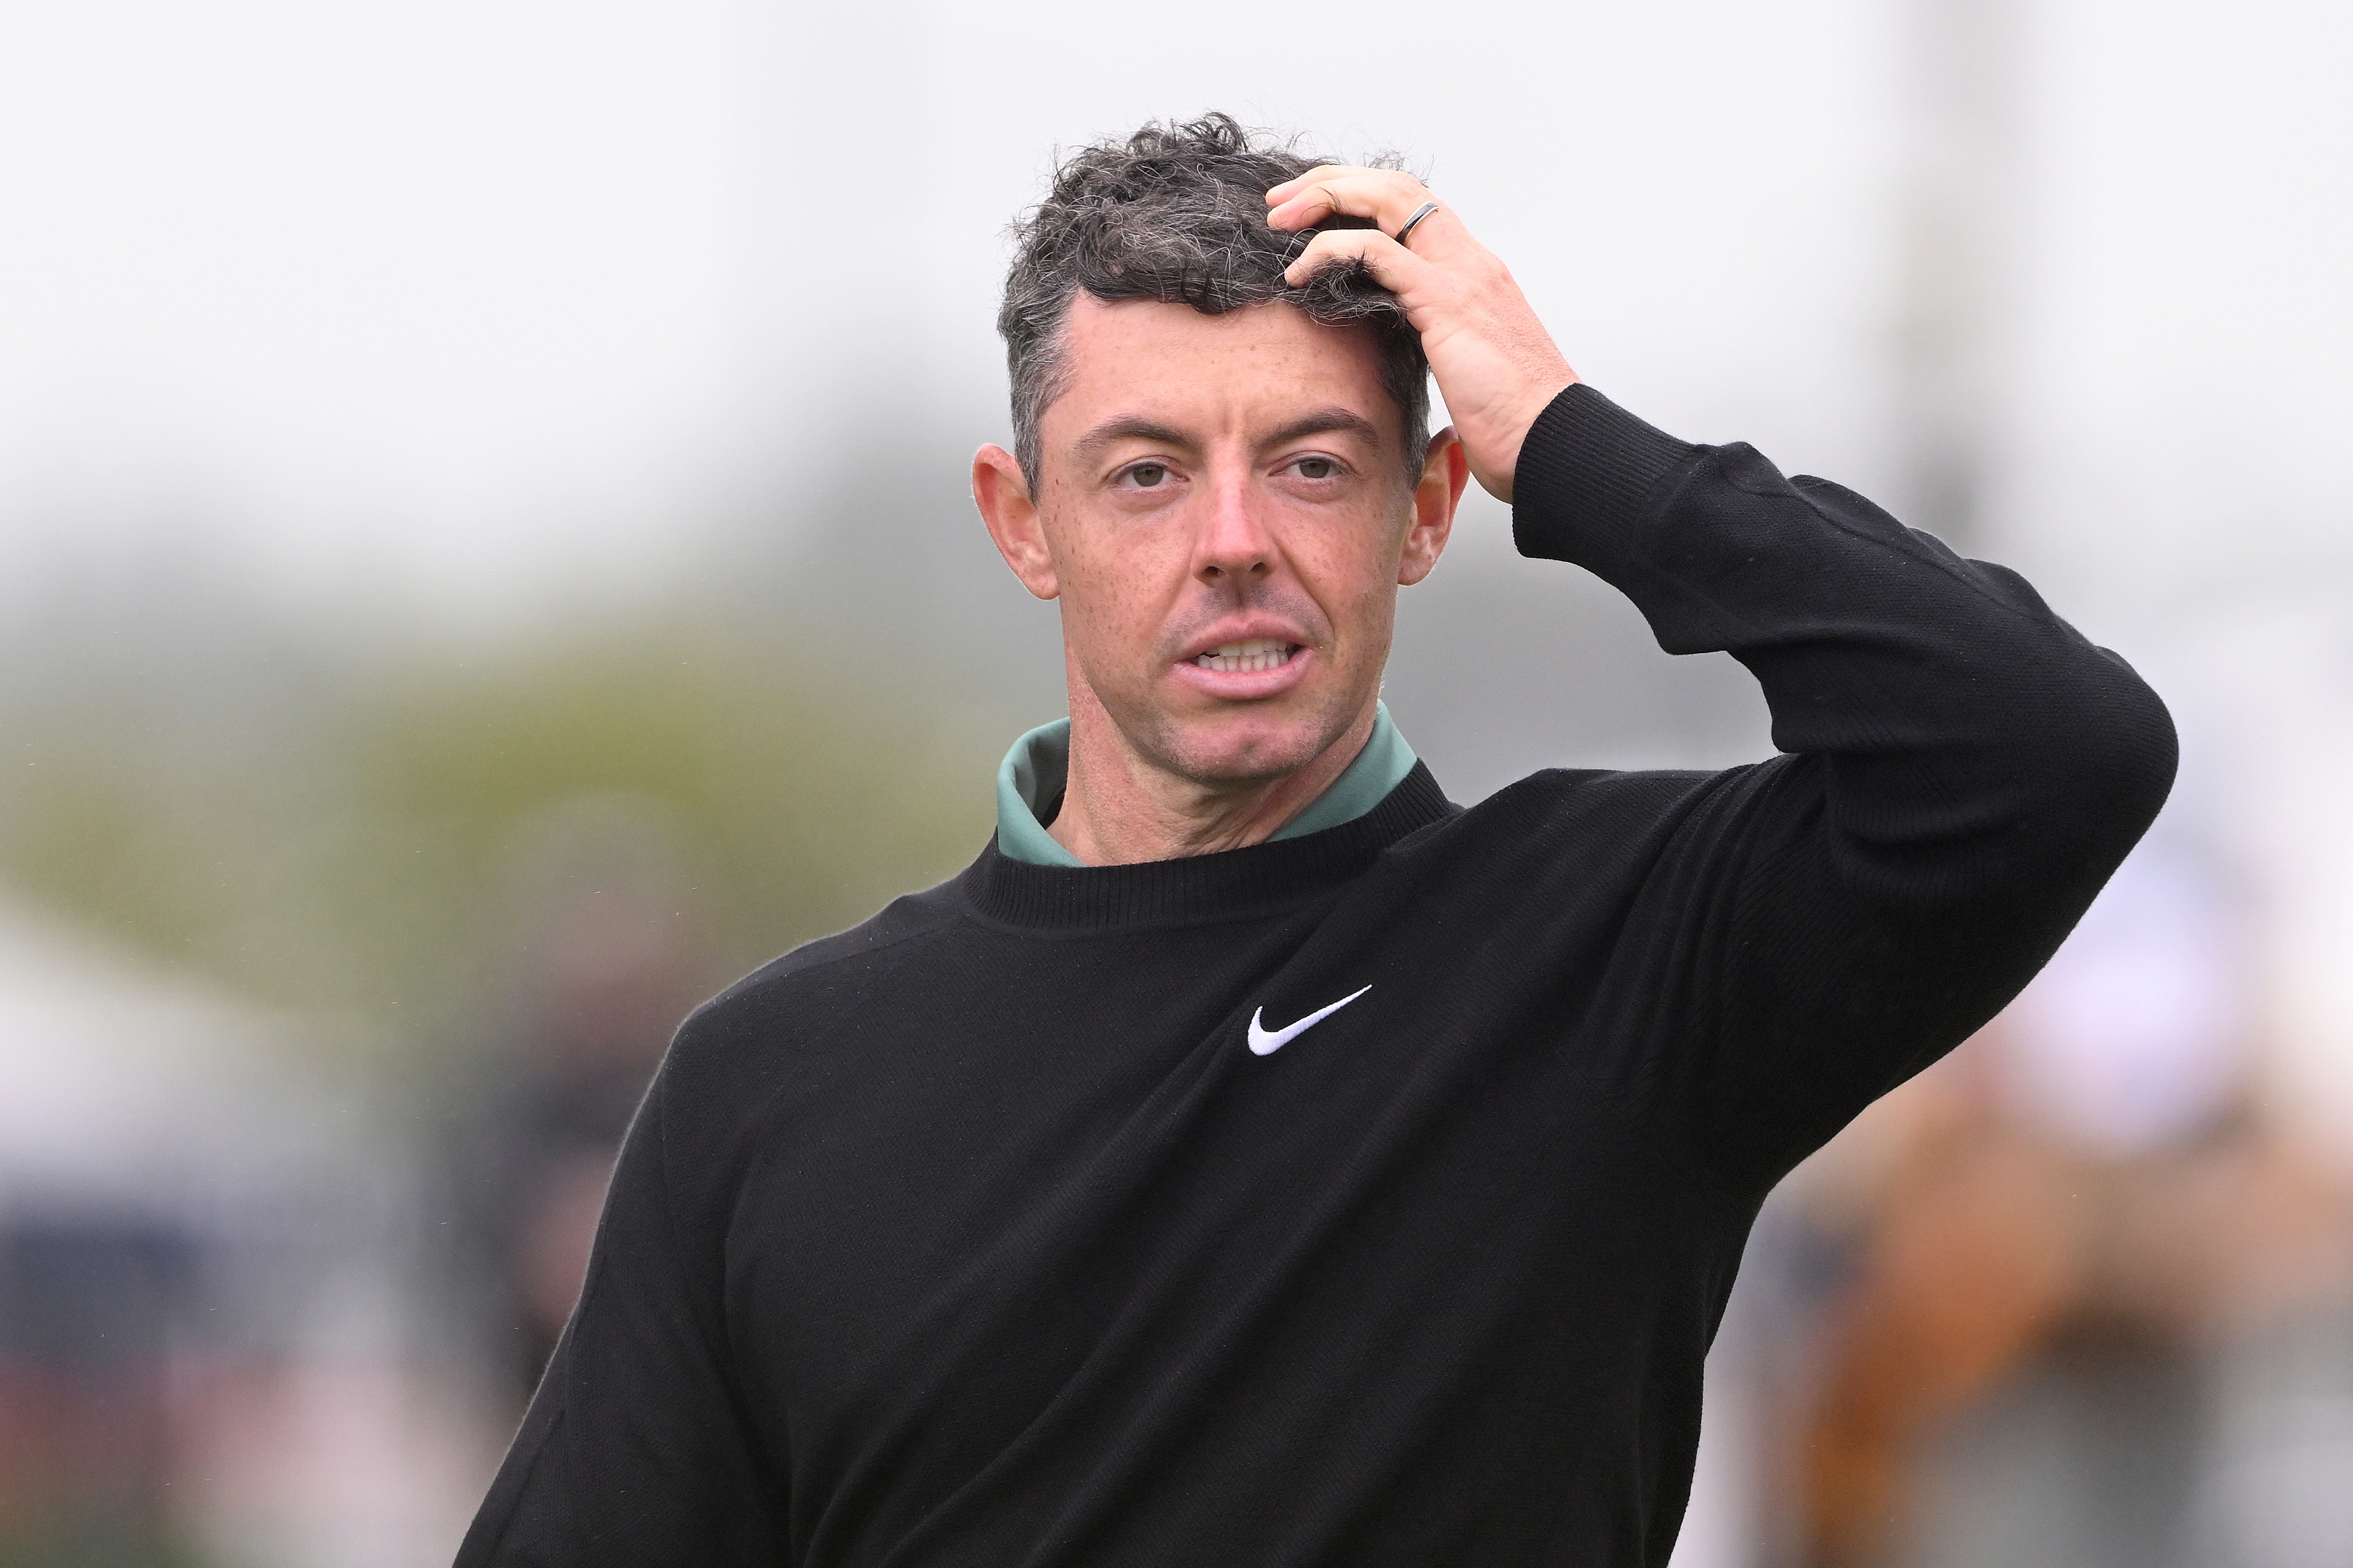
{"points": [[1962, 769]]}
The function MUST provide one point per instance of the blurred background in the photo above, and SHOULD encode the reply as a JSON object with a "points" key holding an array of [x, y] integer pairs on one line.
{"points": [[487, 560]]}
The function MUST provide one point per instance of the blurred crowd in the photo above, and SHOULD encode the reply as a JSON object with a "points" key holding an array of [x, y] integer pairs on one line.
{"points": [[277, 1277], [2077, 1297]]}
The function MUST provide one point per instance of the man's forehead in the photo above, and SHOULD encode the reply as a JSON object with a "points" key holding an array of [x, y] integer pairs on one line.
{"points": [[1261, 364]]}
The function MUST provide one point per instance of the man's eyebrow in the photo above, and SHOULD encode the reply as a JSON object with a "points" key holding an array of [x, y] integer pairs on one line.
{"points": [[1323, 422], [1136, 427], [1128, 427]]}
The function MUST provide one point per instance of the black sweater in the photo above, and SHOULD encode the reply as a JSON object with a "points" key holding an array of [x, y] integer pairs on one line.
{"points": [[978, 1234]]}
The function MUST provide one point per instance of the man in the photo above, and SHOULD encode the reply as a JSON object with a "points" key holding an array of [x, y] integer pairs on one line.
{"points": [[1253, 1158]]}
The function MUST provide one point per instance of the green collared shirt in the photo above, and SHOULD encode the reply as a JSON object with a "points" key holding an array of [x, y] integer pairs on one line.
{"points": [[1031, 780]]}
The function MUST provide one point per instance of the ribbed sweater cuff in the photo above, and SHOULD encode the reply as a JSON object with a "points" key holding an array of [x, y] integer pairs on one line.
{"points": [[1588, 475]]}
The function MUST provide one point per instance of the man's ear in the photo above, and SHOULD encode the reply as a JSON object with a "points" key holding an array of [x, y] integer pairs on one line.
{"points": [[1003, 496], [1444, 471]]}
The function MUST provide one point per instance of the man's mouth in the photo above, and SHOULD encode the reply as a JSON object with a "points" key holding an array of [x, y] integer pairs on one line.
{"points": [[1248, 656]]}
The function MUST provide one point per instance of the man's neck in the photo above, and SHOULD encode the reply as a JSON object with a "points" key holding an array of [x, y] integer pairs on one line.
{"points": [[1120, 809]]}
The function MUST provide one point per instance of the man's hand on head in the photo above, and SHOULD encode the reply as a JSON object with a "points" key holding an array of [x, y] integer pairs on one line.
{"points": [[1496, 365]]}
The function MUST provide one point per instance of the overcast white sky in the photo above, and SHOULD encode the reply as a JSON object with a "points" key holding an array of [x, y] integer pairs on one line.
{"points": [[470, 302]]}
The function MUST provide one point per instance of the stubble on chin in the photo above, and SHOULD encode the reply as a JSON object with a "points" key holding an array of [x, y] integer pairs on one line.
{"points": [[1234, 747], [1210, 753], [1229, 747]]}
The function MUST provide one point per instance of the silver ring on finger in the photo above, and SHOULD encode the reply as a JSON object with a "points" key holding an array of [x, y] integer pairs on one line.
{"points": [[1420, 213]]}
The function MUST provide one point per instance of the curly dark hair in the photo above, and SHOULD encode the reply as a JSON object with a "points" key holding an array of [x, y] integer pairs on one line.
{"points": [[1177, 213]]}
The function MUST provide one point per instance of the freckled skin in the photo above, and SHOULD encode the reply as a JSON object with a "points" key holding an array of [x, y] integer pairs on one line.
{"points": [[1223, 521]]}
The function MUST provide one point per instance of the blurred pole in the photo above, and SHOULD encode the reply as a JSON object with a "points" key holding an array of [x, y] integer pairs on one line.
{"points": [[1960, 202]]}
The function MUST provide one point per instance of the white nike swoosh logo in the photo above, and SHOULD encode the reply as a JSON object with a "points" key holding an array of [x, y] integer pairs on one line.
{"points": [[1264, 1042]]}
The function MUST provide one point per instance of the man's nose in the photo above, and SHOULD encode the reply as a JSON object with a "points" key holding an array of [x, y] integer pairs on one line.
{"points": [[1233, 546]]}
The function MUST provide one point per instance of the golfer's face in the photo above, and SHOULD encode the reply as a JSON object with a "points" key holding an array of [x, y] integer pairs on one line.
{"points": [[1225, 506]]}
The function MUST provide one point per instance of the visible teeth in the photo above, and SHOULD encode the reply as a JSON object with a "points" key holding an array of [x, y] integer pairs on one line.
{"points": [[1248, 657]]}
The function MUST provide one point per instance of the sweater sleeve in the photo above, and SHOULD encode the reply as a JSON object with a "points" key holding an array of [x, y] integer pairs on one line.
{"points": [[636, 1451], [1960, 771]]}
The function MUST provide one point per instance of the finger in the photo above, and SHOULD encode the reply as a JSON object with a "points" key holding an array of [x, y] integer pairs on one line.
{"points": [[1392, 266], [1316, 177], [1384, 196]]}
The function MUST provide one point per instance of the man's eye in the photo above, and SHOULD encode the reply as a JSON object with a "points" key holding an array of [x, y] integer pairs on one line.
{"points": [[1147, 474], [1317, 468]]}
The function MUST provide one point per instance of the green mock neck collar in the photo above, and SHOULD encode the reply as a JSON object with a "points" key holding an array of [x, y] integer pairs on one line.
{"points": [[1029, 785]]}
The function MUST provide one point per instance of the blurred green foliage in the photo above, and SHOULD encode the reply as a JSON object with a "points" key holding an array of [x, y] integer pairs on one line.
{"points": [[109, 1545], [339, 834]]}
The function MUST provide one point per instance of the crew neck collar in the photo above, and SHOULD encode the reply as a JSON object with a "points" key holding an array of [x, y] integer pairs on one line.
{"points": [[1031, 779], [1232, 884]]}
